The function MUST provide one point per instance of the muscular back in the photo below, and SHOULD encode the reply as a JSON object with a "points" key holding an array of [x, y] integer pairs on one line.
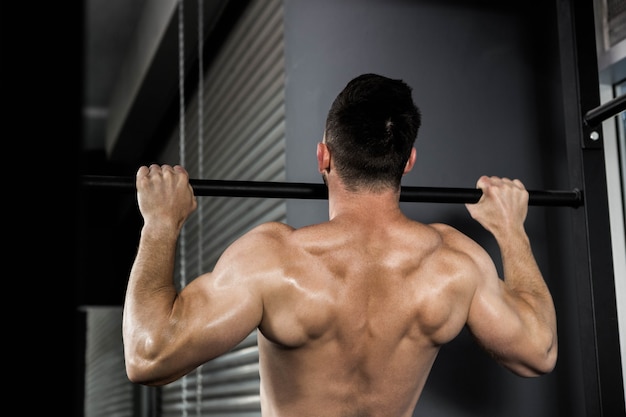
{"points": [[354, 316], [351, 313]]}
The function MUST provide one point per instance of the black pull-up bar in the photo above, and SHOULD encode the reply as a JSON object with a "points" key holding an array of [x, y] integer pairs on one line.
{"points": [[609, 109], [300, 190]]}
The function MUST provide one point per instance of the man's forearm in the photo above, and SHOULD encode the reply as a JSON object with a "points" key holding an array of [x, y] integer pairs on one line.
{"points": [[523, 277], [149, 298], [521, 272]]}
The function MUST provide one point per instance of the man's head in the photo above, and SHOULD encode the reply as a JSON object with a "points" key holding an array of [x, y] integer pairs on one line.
{"points": [[370, 132]]}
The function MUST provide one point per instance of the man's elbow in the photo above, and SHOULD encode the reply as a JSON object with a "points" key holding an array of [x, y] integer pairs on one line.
{"points": [[548, 363], [145, 364], [143, 359], [543, 362], [147, 375], [140, 372], [134, 374]]}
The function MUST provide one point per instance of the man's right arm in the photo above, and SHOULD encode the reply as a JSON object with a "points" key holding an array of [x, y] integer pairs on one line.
{"points": [[514, 319]]}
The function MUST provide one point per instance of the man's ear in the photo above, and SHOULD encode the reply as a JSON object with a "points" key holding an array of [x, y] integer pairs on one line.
{"points": [[410, 162], [323, 157]]}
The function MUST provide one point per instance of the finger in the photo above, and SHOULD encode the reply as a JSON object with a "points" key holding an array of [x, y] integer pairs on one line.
{"points": [[142, 171], [483, 182], [181, 171], [503, 182], [153, 169], [519, 184]]}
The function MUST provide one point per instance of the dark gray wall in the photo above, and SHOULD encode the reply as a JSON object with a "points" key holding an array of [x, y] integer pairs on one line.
{"points": [[486, 77]]}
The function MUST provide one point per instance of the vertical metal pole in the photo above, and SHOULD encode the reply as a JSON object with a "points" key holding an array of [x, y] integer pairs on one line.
{"points": [[601, 364]]}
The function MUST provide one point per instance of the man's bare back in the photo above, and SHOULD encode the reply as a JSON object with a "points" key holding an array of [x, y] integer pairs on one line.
{"points": [[356, 306], [351, 312]]}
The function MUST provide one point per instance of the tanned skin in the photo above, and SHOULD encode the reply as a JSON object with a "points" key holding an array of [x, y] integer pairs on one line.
{"points": [[352, 312]]}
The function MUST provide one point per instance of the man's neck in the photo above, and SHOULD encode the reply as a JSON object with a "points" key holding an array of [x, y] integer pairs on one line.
{"points": [[364, 204]]}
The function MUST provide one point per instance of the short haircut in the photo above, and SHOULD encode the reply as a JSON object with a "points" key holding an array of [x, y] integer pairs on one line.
{"points": [[370, 130]]}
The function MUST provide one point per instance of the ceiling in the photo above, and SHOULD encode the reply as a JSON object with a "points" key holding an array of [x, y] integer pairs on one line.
{"points": [[109, 27], [131, 69]]}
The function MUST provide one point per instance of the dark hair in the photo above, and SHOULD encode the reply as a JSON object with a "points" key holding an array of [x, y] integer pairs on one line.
{"points": [[370, 130]]}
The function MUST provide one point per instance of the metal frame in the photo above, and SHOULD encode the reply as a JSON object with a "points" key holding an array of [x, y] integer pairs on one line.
{"points": [[601, 364]]}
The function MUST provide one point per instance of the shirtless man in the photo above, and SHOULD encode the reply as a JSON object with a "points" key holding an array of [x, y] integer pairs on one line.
{"points": [[351, 312]]}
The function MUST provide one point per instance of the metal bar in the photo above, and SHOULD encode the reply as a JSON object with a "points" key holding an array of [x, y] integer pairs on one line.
{"points": [[591, 241], [609, 109], [300, 190]]}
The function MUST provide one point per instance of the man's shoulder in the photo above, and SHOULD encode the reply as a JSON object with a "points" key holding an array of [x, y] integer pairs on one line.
{"points": [[271, 227], [448, 232], [465, 248], [264, 244], [267, 233], [455, 239]]}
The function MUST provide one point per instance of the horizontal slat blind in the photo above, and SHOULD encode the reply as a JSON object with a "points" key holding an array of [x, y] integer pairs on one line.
{"points": [[243, 138], [108, 392]]}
